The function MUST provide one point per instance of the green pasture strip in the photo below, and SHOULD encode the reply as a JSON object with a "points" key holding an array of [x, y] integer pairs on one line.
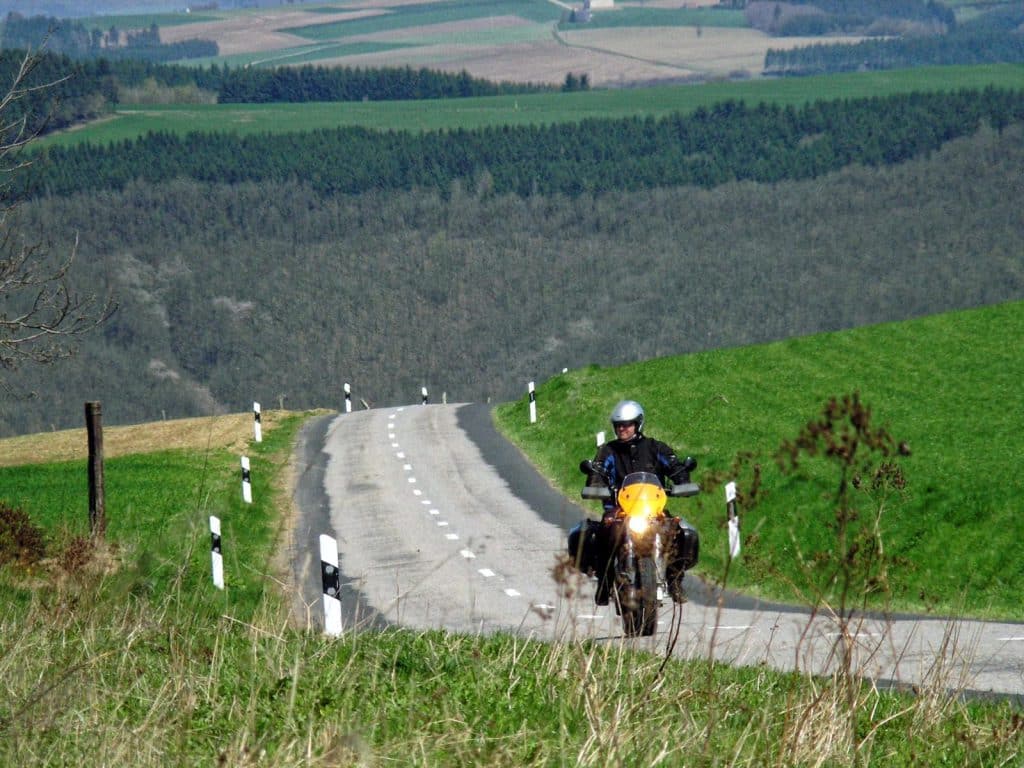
{"points": [[144, 20], [531, 109], [157, 509], [948, 385], [661, 17], [305, 54], [426, 14]]}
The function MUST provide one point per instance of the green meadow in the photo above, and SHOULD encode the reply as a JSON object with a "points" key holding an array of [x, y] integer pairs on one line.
{"points": [[132, 121]]}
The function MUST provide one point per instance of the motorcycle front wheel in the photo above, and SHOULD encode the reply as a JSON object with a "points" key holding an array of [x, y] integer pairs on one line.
{"points": [[637, 595]]}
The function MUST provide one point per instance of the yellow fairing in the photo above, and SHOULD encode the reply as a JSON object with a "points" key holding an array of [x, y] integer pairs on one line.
{"points": [[642, 499]]}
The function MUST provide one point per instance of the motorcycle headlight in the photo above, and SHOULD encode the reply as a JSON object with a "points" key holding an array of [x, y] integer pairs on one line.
{"points": [[639, 524]]}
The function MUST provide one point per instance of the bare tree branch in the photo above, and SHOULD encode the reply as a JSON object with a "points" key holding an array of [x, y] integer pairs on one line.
{"points": [[39, 311]]}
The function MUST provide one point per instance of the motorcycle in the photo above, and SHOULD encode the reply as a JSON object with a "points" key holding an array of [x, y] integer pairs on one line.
{"points": [[638, 553]]}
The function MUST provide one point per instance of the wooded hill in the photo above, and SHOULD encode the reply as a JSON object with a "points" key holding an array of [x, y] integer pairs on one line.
{"points": [[269, 291]]}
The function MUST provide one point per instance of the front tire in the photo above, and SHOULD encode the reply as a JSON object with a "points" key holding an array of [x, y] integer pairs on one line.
{"points": [[638, 600]]}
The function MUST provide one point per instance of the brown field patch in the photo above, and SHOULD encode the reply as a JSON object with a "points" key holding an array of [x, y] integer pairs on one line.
{"points": [[711, 51], [537, 62], [230, 431]]}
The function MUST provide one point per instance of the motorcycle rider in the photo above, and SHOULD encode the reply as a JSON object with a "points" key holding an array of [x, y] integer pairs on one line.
{"points": [[632, 451]]}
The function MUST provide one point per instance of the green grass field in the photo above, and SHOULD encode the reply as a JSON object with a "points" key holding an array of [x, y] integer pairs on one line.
{"points": [[948, 385], [540, 109]]}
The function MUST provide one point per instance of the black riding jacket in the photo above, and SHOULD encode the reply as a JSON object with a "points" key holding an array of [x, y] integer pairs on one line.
{"points": [[641, 454]]}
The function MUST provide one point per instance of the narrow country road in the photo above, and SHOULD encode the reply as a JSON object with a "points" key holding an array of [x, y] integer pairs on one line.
{"points": [[442, 524]]}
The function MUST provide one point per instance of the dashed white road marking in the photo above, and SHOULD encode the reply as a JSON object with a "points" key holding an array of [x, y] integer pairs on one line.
{"points": [[407, 467], [442, 523], [487, 573], [468, 554], [512, 592], [452, 536]]}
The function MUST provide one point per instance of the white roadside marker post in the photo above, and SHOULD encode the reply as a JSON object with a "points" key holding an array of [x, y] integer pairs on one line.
{"points": [[600, 438], [734, 519], [256, 427], [216, 555], [423, 392], [533, 403], [246, 481], [330, 576], [348, 398]]}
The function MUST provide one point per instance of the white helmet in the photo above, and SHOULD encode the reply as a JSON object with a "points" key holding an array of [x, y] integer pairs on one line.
{"points": [[628, 410]]}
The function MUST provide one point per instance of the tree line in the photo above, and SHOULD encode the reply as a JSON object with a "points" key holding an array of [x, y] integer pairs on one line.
{"points": [[253, 85], [727, 142], [823, 17], [230, 293], [76, 40], [993, 37]]}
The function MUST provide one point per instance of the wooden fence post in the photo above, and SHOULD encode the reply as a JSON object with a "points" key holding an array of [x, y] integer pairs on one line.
{"points": [[97, 506]]}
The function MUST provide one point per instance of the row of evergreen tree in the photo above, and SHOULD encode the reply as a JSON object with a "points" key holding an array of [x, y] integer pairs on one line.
{"points": [[824, 17], [994, 37], [731, 141], [251, 85], [75, 39]]}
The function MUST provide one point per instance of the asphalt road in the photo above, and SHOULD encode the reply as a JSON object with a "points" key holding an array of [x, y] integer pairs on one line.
{"points": [[441, 523]]}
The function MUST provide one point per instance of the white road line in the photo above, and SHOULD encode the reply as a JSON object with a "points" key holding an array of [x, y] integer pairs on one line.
{"points": [[468, 554], [442, 523], [426, 502], [591, 616], [487, 573], [407, 467], [1010, 639], [417, 492], [512, 593], [435, 512], [412, 479], [452, 536]]}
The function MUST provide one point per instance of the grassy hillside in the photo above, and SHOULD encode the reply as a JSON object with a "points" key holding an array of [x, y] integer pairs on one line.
{"points": [[540, 109], [129, 656], [947, 385]]}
